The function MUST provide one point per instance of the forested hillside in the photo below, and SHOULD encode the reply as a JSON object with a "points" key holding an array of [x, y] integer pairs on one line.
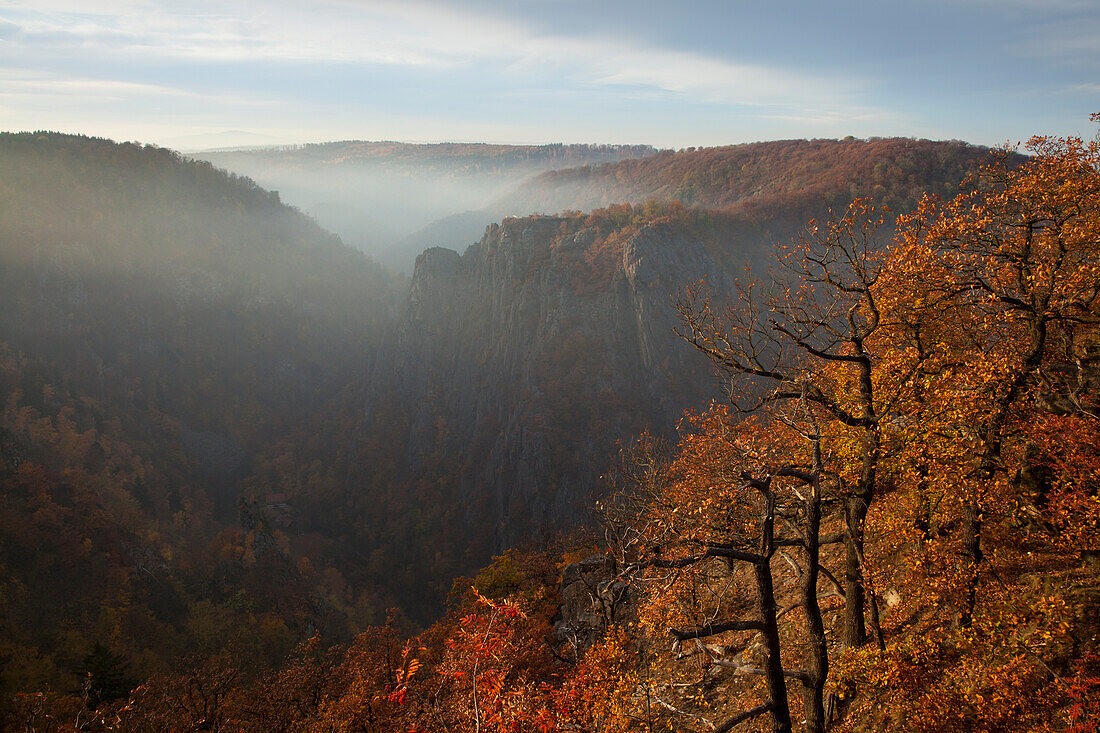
{"points": [[224, 434], [890, 524], [516, 370], [160, 322], [520, 365], [773, 188], [764, 180]]}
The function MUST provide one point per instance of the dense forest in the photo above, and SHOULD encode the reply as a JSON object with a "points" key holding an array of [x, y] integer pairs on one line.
{"points": [[227, 445], [161, 323], [895, 171]]}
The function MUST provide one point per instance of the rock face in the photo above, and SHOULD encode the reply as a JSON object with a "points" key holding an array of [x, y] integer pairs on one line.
{"points": [[497, 409], [530, 356]]}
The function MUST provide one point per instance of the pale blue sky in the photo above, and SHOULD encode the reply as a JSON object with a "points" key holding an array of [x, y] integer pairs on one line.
{"points": [[672, 74]]}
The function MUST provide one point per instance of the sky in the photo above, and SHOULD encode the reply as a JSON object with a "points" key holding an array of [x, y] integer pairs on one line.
{"points": [[672, 74]]}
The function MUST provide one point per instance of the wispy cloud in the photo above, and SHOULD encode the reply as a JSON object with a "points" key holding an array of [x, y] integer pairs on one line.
{"points": [[545, 70], [1086, 89], [413, 34], [329, 30], [703, 78], [1073, 41], [29, 84], [75, 90]]}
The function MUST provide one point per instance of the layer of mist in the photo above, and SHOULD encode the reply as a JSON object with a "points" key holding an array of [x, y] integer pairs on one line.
{"points": [[378, 196]]}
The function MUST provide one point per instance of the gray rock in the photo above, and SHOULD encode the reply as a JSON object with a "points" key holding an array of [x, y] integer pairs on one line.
{"points": [[527, 359]]}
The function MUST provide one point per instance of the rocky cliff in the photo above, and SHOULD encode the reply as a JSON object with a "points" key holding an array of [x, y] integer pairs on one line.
{"points": [[519, 366], [514, 374], [528, 358]]}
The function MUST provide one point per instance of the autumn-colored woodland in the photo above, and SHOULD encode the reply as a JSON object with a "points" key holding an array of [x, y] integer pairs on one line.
{"points": [[891, 524]]}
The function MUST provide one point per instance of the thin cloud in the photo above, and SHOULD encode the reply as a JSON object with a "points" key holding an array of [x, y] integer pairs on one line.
{"points": [[415, 35], [703, 78], [1074, 41], [76, 91], [1087, 89], [379, 33]]}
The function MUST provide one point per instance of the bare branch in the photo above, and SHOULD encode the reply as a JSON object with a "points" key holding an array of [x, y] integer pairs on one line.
{"points": [[712, 629], [742, 717]]}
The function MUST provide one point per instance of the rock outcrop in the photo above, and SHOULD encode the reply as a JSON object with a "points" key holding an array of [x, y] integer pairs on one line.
{"points": [[530, 356]]}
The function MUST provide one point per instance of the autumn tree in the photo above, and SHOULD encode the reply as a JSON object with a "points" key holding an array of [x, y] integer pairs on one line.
{"points": [[201, 699], [810, 336], [732, 498], [488, 663], [1006, 280], [291, 696]]}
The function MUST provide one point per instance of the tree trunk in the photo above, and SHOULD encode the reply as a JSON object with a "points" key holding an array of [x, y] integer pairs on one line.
{"points": [[765, 595], [773, 666], [854, 633], [992, 437], [856, 507], [817, 667]]}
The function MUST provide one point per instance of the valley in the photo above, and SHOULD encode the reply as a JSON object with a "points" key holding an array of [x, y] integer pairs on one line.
{"points": [[239, 450]]}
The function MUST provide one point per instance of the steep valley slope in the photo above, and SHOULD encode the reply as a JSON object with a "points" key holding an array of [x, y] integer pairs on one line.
{"points": [[517, 370], [520, 367], [250, 431], [161, 322]]}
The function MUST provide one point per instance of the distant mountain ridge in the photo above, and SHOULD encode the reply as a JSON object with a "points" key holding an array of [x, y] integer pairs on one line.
{"points": [[778, 186], [457, 157], [394, 200], [892, 170], [226, 139], [402, 187]]}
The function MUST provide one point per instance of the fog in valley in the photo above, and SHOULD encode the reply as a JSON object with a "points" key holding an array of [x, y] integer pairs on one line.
{"points": [[383, 197], [716, 367]]}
